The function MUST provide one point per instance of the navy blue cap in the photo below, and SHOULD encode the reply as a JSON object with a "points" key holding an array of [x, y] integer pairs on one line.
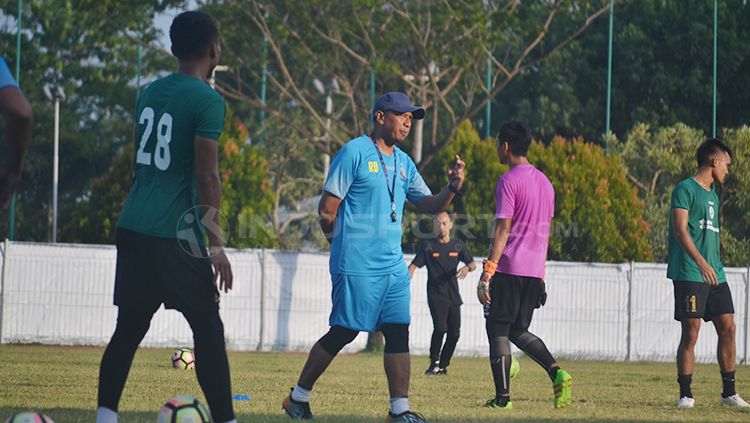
{"points": [[399, 103]]}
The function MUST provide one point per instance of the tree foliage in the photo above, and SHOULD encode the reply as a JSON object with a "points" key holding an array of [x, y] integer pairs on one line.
{"points": [[247, 199], [661, 72], [89, 48], [435, 51], [598, 216]]}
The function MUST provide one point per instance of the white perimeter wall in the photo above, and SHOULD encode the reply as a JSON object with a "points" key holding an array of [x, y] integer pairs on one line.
{"points": [[62, 294]]}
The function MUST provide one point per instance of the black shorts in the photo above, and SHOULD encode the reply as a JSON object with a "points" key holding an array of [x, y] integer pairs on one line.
{"points": [[153, 270], [514, 298], [701, 300]]}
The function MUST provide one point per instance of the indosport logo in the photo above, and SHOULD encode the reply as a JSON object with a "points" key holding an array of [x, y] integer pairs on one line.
{"points": [[196, 226]]}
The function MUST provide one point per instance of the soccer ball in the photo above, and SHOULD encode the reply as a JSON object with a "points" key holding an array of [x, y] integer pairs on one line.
{"points": [[515, 367], [184, 409], [183, 358], [29, 417]]}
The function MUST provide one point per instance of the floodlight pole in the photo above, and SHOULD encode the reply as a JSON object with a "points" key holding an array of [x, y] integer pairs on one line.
{"points": [[55, 94], [716, 30], [263, 88], [55, 169], [372, 89], [488, 107], [609, 76], [327, 155]]}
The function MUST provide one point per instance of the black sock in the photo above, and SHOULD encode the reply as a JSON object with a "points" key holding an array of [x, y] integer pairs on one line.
{"points": [[552, 373], [501, 375], [727, 380], [685, 381]]}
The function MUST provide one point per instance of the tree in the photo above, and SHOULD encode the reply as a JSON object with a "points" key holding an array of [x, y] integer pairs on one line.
{"points": [[433, 50], [247, 198], [598, 216], [94, 220], [735, 233], [656, 161], [89, 48], [662, 72]]}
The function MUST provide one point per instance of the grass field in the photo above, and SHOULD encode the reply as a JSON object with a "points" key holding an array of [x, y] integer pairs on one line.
{"points": [[62, 382]]}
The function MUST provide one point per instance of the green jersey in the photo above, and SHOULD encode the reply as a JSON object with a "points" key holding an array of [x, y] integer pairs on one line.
{"points": [[171, 112], [703, 226]]}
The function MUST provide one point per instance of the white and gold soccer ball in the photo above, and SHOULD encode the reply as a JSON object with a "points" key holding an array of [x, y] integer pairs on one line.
{"points": [[29, 417], [184, 409], [183, 358]]}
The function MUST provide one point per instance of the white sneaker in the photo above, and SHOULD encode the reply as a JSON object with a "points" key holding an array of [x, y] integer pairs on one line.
{"points": [[734, 401], [687, 402]]}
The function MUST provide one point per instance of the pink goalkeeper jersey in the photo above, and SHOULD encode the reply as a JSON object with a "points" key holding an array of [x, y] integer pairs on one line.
{"points": [[525, 196]]}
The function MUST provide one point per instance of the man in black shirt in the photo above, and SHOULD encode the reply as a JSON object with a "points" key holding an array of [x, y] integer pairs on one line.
{"points": [[441, 256]]}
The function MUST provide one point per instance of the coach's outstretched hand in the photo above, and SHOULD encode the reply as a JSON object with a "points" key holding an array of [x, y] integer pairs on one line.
{"points": [[222, 269], [456, 175]]}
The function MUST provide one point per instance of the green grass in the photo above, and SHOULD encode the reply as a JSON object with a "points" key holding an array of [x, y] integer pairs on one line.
{"points": [[62, 382]]}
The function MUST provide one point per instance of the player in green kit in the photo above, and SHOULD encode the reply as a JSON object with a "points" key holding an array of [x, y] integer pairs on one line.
{"points": [[700, 285], [174, 200]]}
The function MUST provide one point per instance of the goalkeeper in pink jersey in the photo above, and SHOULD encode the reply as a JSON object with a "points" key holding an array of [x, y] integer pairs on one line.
{"points": [[512, 283]]}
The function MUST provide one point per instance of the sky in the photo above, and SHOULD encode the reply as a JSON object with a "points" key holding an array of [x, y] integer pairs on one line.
{"points": [[163, 20]]}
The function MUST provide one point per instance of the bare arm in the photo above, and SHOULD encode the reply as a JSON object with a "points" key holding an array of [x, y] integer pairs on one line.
{"points": [[435, 203], [18, 123], [679, 230], [208, 189], [465, 269], [328, 210], [499, 240], [412, 268]]}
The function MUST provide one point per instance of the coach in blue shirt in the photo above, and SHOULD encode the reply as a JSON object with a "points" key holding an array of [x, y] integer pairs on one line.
{"points": [[360, 213]]}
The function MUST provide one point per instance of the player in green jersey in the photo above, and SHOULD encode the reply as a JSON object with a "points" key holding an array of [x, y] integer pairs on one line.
{"points": [[700, 285], [174, 201]]}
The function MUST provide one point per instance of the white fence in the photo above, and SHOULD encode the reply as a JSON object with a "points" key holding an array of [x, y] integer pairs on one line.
{"points": [[62, 294]]}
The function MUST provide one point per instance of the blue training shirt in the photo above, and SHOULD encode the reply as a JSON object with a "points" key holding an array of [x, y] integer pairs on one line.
{"points": [[365, 240], [6, 78]]}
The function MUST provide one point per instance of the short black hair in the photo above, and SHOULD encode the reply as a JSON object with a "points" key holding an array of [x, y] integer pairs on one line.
{"points": [[517, 135], [448, 213], [192, 33], [709, 149]]}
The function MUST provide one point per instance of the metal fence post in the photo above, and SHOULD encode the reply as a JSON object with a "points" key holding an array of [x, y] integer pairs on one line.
{"points": [[747, 315], [631, 274], [262, 299], [3, 285]]}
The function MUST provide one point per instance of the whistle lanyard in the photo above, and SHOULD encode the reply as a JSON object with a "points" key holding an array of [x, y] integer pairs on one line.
{"points": [[392, 188]]}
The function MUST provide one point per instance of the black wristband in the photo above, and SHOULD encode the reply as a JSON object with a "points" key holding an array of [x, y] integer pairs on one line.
{"points": [[454, 190]]}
